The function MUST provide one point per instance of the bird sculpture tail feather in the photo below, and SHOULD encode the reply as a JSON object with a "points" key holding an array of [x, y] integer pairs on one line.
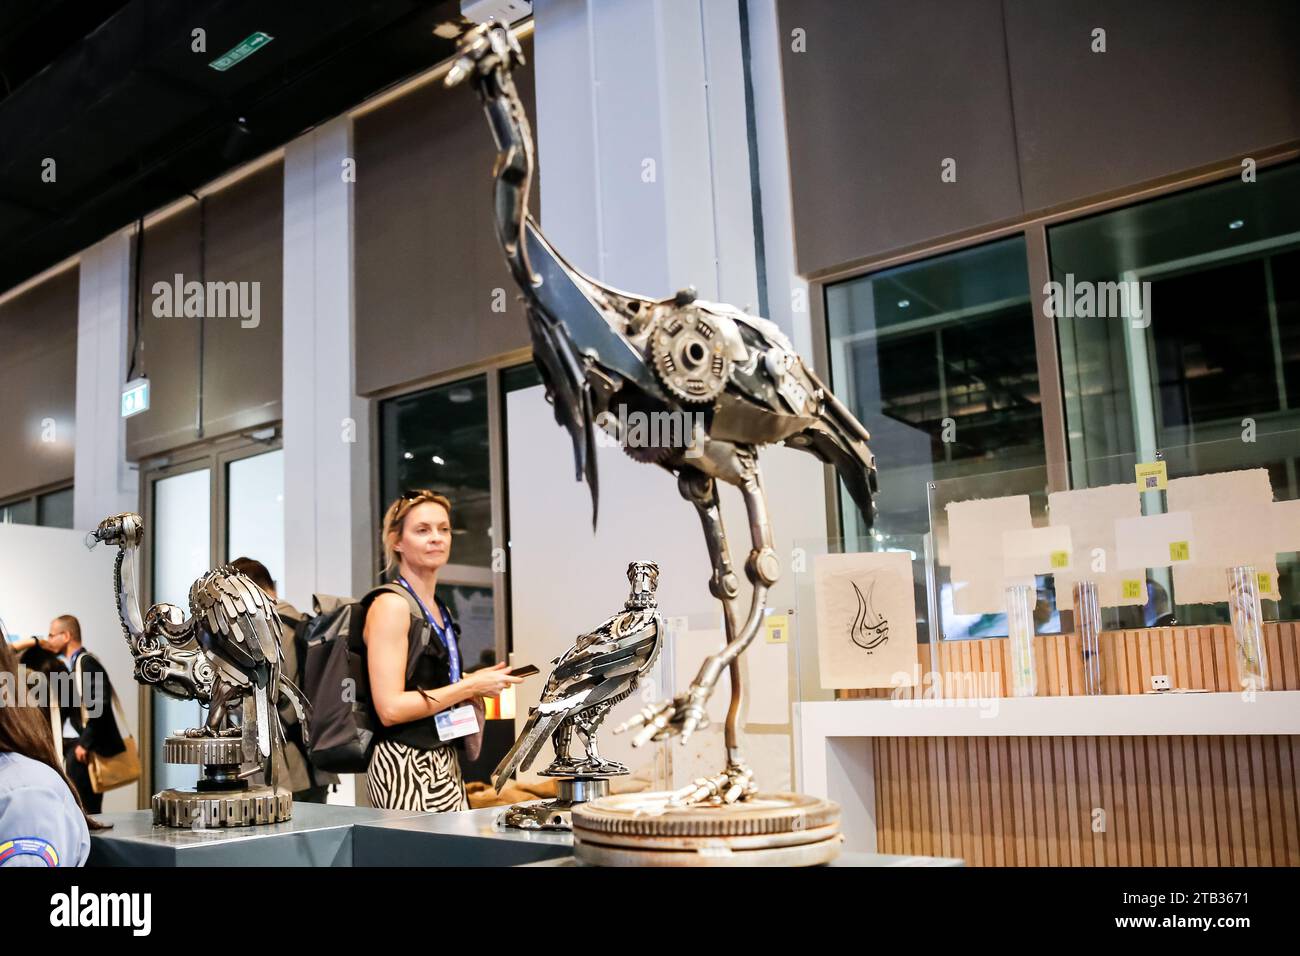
{"points": [[840, 440], [301, 706], [542, 723]]}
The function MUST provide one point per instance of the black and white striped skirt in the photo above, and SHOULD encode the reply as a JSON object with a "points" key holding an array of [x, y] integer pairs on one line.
{"points": [[407, 778]]}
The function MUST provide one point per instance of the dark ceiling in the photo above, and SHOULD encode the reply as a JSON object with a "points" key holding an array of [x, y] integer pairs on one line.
{"points": [[134, 118]]}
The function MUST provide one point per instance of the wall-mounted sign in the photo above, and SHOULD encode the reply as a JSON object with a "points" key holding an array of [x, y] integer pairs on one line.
{"points": [[135, 397]]}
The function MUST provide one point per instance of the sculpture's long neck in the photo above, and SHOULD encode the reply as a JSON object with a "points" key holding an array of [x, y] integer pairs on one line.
{"points": [[128, 602], [514, 168]]}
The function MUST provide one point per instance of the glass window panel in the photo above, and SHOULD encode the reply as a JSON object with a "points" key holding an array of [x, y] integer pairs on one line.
{"points": [[182, 548], [1218, 342], [255, 511], [937, 359], [438, 439], [55, 509], [19, 512]]}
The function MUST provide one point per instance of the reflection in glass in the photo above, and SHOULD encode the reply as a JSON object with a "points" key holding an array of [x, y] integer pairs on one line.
{"points": [[937, 359], [438, 439], [255, 511], [54, 510], [181, 547]]}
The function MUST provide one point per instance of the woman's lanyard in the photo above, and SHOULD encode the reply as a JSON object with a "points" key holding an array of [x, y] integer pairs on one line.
{"points": [[444, 633]]}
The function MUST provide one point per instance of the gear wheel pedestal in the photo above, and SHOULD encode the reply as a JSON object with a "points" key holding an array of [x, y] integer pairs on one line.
{"points": [[768, 829], [556, 814], [221, 799]]}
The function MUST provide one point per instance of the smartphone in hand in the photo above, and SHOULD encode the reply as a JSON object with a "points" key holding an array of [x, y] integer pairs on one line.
{"points": [[527, 670]]}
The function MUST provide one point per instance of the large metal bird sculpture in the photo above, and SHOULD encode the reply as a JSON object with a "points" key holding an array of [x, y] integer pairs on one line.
{"points": [[599, 670], [225, 651], [736, 377]]}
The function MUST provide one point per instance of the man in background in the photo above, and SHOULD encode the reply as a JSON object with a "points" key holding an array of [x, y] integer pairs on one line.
{"points": [[99, 734], [308, 784]]}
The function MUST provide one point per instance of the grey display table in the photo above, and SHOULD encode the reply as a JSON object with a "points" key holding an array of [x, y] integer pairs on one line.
{"points": [[318, 835], [467, 838]]}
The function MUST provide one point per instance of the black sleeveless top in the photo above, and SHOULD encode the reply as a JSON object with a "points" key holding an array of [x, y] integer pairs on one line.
{"points": [[428, 667]]}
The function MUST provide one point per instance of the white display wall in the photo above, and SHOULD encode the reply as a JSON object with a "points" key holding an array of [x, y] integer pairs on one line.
{"points": [[46, 572]]}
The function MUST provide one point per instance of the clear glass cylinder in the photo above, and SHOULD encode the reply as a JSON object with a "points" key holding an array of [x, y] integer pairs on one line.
{"points": [[1020, 632], [1087, 622], [1247, 627]]}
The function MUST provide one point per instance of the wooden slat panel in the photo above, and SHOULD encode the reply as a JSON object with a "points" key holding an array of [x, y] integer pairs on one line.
{"points": [[1290, 810], [1246, 795], [1264, 772]]}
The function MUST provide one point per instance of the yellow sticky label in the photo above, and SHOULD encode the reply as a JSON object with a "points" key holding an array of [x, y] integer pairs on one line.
{"points": [[778, 629], [1131, 589], [1060, 559], [1265, 582], [1179, 551], [1152, 476]]}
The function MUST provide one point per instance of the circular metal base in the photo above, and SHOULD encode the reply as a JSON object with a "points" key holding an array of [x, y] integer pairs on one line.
{"points": [[203, 750], [222, 808], [556, 814], [768, 829]]}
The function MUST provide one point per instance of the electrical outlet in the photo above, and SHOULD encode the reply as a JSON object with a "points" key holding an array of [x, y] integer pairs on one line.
{"points": [[1160, 682]]}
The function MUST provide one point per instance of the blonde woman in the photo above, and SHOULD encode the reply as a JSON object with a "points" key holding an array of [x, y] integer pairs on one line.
{"points": [[424, 702]]}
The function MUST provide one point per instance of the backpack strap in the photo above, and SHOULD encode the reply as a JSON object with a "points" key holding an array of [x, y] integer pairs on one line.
{"points": [[418, 622]]}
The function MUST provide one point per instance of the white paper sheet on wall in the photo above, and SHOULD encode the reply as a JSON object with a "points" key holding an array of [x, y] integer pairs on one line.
{"points": [[767, 681], [1231, 518], [1285, 525], [1036, 551], [1155, 541], [975, 530], [866, 619], [1091, 514]]}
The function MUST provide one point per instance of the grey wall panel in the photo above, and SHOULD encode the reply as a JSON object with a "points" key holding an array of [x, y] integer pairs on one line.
{"points": [[38, 379], [886, 90], [1182, 84], [170, 344], [242, 366], [427, 258], [241, 381]]}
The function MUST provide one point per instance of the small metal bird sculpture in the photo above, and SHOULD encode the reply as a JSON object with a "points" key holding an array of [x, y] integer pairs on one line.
{"points": [[599, 670], [735, 377]]}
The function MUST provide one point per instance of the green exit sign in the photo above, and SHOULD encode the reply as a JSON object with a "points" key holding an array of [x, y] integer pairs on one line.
{"points": [[241, 51], [135, 397]]}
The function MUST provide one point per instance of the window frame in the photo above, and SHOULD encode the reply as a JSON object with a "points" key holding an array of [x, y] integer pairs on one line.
{"points": [[1034, 230]]}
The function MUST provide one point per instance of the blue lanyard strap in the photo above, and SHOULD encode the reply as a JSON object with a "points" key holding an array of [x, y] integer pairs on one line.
{"points": [[444, 633]]}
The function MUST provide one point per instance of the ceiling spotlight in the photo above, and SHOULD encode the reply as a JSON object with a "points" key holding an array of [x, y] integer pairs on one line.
{"points": [[460, 395], [437, 460], [408, 456], [1236, 224], [904, 303]]}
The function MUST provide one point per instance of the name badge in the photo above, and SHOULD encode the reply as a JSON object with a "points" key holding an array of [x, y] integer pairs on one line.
{"points": [[457, 722]]}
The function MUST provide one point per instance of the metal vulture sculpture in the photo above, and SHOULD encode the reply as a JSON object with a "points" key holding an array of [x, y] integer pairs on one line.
{"points": [[734, 375], [225, 651], [599, 670]]}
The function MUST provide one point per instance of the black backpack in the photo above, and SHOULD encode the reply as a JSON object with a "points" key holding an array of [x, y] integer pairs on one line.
{"points": [[336, 682]]}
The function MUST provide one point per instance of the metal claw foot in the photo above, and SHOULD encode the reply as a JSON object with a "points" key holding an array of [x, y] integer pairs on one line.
{"points": [[731, 786], [681, 716]]}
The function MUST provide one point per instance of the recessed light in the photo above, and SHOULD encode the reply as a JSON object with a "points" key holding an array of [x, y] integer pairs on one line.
{"points": [[460, 395], [1236, 224], [408, 456], [437, 460], [904, 303]]}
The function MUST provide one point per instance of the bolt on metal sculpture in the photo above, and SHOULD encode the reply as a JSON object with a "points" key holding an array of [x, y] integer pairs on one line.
{"points": [[601, 669], [224, 654], [737, 376]]}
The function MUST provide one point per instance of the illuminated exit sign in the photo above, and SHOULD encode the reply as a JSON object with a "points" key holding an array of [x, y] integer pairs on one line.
{"points": [[241, 51], [135, 397]]}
